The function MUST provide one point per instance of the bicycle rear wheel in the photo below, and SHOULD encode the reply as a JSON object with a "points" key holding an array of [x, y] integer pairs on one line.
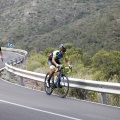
{"points": [[63, 86], [49, 89]]}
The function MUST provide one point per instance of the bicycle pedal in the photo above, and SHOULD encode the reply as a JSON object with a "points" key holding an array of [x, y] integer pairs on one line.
{"points": [[60, 86], [55, 86]]}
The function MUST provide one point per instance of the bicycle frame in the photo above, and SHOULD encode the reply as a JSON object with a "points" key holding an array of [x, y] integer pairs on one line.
{"points": [[58, 77]]}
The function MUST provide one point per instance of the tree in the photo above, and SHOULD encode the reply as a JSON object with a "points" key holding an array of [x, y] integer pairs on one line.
{"points": [[108, 63]]}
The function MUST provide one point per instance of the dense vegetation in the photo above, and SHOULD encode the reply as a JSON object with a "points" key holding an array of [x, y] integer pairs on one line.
{"points": [[91, 25], [103, 66]]}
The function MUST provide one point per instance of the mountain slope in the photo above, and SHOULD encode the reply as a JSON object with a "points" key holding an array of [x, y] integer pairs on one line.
{"points": [[37, 24]]}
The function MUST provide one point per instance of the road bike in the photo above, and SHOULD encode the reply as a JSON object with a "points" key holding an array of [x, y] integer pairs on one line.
{"points": [[58, 83]]}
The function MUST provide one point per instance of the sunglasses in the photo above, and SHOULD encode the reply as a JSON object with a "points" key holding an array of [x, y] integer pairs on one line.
{"points": [[64, 50]]}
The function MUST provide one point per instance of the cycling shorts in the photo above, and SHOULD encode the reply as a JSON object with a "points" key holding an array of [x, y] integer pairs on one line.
{"points": [[51, 65]]}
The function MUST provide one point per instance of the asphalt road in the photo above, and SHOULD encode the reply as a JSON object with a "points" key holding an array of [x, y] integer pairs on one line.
{"points": [[19, 103], [8, 56]]}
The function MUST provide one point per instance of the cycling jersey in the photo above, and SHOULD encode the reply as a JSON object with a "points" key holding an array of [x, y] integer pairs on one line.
{"points": [[57, 55]]}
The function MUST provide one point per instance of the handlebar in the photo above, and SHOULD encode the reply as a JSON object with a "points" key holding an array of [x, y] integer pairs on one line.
{"points": [[67, 69], [64, 68]]}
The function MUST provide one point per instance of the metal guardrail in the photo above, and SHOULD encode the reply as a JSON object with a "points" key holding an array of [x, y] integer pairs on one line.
{"points": [[97, 86], [16, 61]]}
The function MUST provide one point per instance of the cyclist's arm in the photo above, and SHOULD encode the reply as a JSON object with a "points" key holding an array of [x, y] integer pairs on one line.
{"points": [[53, 61], [67, 61]]}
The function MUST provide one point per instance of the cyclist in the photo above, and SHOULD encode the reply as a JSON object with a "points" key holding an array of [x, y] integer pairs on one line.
{"points": [[53, 60], [1, 55]]}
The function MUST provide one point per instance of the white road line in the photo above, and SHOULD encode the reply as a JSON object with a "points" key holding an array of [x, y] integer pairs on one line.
{"points": [[72, 118], [67, 97]]}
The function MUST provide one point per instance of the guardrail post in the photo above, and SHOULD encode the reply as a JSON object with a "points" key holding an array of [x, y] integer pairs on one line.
{"points": [[103, 98], [20, 81], [10, 63], [9, 75]]}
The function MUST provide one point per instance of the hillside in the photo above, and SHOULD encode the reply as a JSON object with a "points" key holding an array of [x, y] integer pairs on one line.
{"points": [[37, 24]]}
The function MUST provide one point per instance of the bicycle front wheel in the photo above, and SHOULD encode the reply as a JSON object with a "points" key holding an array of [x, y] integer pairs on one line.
{"points": [[48, 89], [63, 86]]}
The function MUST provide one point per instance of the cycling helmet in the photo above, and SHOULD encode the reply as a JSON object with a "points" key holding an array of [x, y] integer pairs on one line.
{"points": [[63, 48]]}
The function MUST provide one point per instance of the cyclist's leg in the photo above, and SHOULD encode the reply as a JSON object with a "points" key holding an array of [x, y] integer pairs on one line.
{"points": [[52, 70], [48, 87]]}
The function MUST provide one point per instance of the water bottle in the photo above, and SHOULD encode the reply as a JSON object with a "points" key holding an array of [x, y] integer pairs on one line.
{"points": [[56, 79]]}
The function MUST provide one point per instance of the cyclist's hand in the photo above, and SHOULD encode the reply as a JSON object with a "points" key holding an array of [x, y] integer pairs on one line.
{"points": [[70, 66], [57, 65]]}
